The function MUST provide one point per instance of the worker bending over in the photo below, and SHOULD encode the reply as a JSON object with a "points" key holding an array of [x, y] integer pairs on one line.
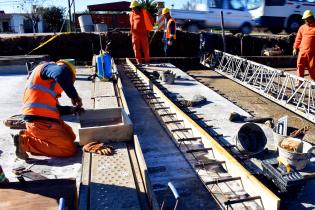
{"points": [[141, 24], [170, 33], [46, 133], [305, 42]]}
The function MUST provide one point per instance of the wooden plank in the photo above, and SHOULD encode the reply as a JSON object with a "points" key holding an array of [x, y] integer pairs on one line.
{"points": [[105, 125], [40, 194], [252, 185], [106, 102]]}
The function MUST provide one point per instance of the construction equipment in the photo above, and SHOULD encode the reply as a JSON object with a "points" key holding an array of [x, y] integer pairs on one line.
{"points": [[25, 172], [175, 194], [15, 122], [287, 181]]}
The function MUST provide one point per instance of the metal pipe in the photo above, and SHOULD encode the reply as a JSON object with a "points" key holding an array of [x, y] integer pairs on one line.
{"points": [[223, 34], [69, 11], [74, 17]]}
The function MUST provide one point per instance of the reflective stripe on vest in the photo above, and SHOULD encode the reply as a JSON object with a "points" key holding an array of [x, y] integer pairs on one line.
{"points": [[40, 105], [40, 96], [160, 19], [168, 30], [50, 90]]}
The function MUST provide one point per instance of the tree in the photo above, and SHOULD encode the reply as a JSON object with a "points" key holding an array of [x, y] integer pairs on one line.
{"points": [[150, 5], [53, 16]]}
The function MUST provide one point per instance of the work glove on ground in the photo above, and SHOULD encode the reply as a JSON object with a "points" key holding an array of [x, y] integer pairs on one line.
{"points": [[294, 53], [98, 148]]}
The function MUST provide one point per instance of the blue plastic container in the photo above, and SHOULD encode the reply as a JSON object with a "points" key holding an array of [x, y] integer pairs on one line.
{"points": [[104, 66]]}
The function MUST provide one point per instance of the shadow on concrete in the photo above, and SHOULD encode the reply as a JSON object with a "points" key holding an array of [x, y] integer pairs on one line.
{"points": [[56, 161], [184, 83], [211, 77], [116, 197]]}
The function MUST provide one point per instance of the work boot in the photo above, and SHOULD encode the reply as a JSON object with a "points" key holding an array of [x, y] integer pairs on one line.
{"points": [[19, 151]]}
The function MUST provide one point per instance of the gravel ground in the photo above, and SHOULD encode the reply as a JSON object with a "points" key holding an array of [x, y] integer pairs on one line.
{"points": [[251, 101]]}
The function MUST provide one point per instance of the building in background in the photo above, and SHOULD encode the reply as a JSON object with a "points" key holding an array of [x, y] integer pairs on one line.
{"points": [[114, 15], [18, 23]]}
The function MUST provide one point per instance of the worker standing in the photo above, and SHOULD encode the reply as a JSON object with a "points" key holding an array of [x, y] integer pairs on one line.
{"points": [[46, 133], [305, 43], [170, 33], [141, 24], [160, 19]]}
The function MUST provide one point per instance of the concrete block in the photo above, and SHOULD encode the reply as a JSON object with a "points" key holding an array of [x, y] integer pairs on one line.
{"points": [[105, 125]]}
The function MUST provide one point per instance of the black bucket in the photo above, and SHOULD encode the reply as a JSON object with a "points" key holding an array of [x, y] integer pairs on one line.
{"points": [[251, 138]]}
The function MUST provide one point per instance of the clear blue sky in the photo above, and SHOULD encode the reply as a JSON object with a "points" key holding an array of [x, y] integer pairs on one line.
{"points": [[10, 6]]}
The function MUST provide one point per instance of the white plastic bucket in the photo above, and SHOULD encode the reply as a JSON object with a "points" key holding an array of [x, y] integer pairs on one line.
{"points": [[297, 159]]}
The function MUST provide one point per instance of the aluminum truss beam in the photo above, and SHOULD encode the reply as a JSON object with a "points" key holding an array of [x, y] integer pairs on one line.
{"points": [[276, 85]]}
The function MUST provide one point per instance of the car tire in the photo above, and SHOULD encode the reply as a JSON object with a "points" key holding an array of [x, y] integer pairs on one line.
{"points": [[294, 24], [192, 28], [246, 28]]}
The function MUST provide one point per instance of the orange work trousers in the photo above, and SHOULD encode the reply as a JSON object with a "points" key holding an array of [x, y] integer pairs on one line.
{"points": [[47, 138], [306, 59], [141, 42]]}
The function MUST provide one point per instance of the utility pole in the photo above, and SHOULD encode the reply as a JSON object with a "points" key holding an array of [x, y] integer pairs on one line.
{"points": [[74, 17], [69, 10]]}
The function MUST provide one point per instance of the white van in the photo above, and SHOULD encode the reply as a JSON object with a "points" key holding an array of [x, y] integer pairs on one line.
{"points": [[207, 14]]}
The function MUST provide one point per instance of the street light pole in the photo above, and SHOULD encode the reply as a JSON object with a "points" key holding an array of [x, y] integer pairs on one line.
{"points": [[69, 10], [74, 17]]}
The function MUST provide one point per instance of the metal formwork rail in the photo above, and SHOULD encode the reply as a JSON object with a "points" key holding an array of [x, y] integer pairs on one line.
{"points": [[290, 91], [186, 132]]}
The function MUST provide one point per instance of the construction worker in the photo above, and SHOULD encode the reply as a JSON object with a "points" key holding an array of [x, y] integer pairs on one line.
{"points": [[160, 19], [170, 33], [141, 24], [46, 133], [305, 43]]}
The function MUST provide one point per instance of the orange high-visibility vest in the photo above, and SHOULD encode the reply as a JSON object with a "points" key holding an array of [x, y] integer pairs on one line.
{"points": [[40, 96], [160, 19], [168, 30]]}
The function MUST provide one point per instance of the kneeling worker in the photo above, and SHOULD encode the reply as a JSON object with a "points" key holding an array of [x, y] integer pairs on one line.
{"points": [[170, 33], [46, 133]]}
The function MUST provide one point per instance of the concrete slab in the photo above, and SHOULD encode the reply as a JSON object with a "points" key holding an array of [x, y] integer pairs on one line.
{"points": [[11, 103], [16, 64], [216, 112], [164, 161]]}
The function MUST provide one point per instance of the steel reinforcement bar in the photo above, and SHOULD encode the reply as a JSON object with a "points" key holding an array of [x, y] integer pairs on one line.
{"points": [[186, 132], [290, 91]]}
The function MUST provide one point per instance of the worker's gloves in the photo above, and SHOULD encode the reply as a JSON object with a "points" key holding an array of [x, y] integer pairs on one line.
{"points": [[77, 110], [77, 102], [98, 148], [294, 53], [169, 43]]}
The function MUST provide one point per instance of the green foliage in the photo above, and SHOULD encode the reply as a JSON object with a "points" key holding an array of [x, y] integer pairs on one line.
{"points": [[53, 16], [150, 5]]}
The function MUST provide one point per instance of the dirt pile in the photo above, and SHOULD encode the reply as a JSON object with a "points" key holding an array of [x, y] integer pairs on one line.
{"points": [[82, 46]]}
